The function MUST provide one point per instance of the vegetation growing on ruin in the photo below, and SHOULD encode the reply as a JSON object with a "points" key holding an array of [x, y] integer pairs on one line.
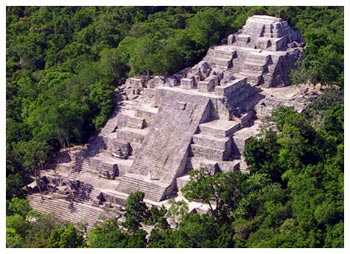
{"points": [[63, 65]]}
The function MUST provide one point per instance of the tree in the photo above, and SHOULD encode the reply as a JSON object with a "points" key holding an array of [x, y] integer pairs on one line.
{"points": [[34, 154], [18, 206], [203, 231], [162, 239], [221, 192], [261, 155], [157, 217], [136, 211], [107, 235], [65, 236], [176, 211], [18, 223], [13, 240]]}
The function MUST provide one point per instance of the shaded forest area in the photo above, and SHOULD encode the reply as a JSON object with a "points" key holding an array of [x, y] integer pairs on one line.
{"points": [[64, 65]]}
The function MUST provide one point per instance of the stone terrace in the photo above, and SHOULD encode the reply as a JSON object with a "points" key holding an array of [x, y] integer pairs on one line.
{"points": [[200, 117]]}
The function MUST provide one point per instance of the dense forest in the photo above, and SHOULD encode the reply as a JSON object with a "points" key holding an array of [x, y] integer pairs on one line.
{"points": [[64, 66]]}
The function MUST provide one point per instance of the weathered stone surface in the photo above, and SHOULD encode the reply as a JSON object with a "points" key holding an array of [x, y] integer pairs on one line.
{"points": [[133, 87], [108, 171], [155, 82], [121, 149], [187, 83], [157, 152], [200, 117]]}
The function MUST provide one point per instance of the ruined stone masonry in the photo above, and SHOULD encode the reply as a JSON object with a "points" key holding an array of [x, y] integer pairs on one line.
{"points": [[200, 117]]}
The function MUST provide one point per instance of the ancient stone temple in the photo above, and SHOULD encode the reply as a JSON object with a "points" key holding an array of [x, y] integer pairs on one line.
{"points": [[200, 117]]}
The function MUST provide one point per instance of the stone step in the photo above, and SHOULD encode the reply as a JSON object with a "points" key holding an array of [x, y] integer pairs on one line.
{"points": [[219, 62], [231, 87], [259, 67], [219, 128], [208, 152], [131, 134], [113, 139], [116, 198], [122, 165], [212, 165], [229, 166], [254, 77], [82, 213], [146, 112], [256, 56], [131, 121], [217, 53], [153, 189], [241, 138], [87, 168], [211, 141], [98, 183]]}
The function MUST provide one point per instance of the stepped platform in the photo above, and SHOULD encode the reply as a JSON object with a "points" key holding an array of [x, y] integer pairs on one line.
{"points": [[153, 189], [211, 141], [254, 77], [221, 58], [241, 137], [219, 128], [81, 213], [121, 165], [208, 152], [131, 121], [200, 117], [131, 134], [146, 112]]}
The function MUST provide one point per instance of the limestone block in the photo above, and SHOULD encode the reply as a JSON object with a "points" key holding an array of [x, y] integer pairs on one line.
{"points": [[155, 82], [245, 38], [136, 83], [202, 69], [131, 135], [230, 87], [204, 86], [187, 83], [247, 118], [208, 84], [231, 39], [149, 93], [130, 121], [211, 141], [121, 149], [227, 77], [147, 114], [228, 166], [219, 128], [171, 81], [132, 93], [108, 171], [208, 152], [210, 166]]}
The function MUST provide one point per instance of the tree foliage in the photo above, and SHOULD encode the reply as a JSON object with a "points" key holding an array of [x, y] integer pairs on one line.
{"points": [[63, 65]]}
